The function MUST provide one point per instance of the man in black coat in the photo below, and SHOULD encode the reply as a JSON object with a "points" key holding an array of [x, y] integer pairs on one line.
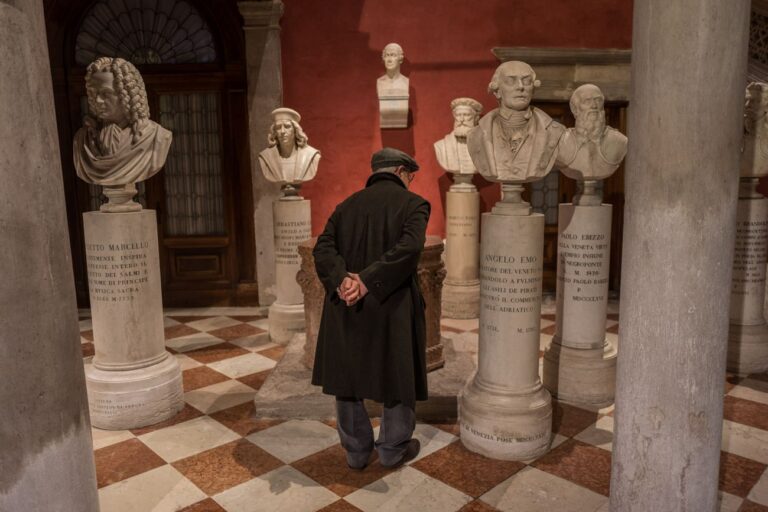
{"points": [[372, 338]]}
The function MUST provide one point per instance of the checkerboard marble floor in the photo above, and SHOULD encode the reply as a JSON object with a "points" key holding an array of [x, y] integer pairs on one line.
{"points": [[213, 456]]}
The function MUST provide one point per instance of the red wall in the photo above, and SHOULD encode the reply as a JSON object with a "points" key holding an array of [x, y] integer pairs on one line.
{"points": [[332, 58]]}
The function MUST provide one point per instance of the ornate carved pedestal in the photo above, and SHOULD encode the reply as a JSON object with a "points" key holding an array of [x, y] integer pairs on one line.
{"points": [[431, 275]]}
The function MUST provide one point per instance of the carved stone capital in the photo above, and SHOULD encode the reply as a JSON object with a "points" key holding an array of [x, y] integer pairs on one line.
{"points": [[260, 15]]}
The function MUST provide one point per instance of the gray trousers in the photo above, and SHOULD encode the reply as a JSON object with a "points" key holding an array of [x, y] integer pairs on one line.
{"points": [[356, 433]]}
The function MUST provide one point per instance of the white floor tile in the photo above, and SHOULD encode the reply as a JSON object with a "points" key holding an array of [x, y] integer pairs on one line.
{"points": [[759, 493], [255, 342], [186, 362], [102, 438], [728, 502], [217, 397], [261, 323], [239, 366], [188, 438], [533, 490], [192, 342], [283, 490], [746, 441], [465, 342], [750, 389], [162, 489], [210, 324], [85, 325], [295, 439], [408, 489], [431, 439], [169, 322], [599, 434]]}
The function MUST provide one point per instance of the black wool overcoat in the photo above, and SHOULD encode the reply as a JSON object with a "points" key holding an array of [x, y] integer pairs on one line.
{"points": [[375, 349]]}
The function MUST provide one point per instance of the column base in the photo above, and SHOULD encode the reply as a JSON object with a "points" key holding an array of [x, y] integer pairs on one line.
{"points": [[747, 349], [581, 377], [120, 400], [285, 320], [505, 426], [461, 300]]}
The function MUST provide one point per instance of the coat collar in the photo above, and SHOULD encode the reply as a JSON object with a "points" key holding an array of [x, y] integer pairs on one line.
{"points": [[384, 176]]}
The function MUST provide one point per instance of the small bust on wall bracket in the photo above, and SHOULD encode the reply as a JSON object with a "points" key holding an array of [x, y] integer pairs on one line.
{"points": [[392, 89], [515, 143], [754, 152], [288, 160], [591, 150], [118, 145], [451, 151]]}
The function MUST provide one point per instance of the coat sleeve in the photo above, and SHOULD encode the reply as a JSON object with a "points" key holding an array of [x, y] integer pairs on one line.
{"points": [[330, 266], [384, 276]]}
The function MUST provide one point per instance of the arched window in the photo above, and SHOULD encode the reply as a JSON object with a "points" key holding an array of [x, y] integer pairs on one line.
{"points": [[145, 32]]}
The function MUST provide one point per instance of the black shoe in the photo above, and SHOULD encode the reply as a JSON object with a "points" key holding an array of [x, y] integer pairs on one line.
{"points": [[411, 451], [358, 467]]}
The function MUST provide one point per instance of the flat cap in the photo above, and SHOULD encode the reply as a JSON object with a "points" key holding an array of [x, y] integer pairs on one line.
{"points": [[391, 157]]}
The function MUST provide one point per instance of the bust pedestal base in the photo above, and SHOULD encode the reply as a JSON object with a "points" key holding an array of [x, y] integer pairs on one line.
{"points": [[747, 349], [461, 300], [125, 399], [285, 320], [581, 377]]}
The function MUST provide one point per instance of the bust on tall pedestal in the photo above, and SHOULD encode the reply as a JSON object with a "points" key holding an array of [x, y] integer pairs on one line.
{"points": [[748, 332], [504, 411], [289, 161], [392, 89], [580, 363], [132, 380], [119, 145], [461, 292]]}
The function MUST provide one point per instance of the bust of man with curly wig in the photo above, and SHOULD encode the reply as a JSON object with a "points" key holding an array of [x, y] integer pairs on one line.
{"points": [[118, 144]]}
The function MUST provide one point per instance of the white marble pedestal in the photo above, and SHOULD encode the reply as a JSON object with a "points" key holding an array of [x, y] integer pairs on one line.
{"points": [[132, 380], [748, 332], [293, 225], [393, 111], [580, 364], [461, 289], [504, 412]]}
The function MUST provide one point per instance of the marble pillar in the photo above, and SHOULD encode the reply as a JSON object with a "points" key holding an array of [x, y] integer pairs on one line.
{"points": [[133, 381], [748, 332], [293, 225], [681, 186], [580, 364], [504, 411], [431, 273], [265, 93], [46, 457], [461, 291]]}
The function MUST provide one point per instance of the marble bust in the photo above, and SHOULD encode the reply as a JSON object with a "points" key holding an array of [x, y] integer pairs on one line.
{"points": [[392, 83], [451, 151], [288, 160], [118, 145], [591, 150], [514, 143], [754, 152]]}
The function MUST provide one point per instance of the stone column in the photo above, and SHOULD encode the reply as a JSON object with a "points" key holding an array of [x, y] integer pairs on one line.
{"points": [[504, 412], [45, 438], [293, 225], [431, 273], [132, 380], [461, 293], [265, 93], [580, 364], [688, 68]]}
